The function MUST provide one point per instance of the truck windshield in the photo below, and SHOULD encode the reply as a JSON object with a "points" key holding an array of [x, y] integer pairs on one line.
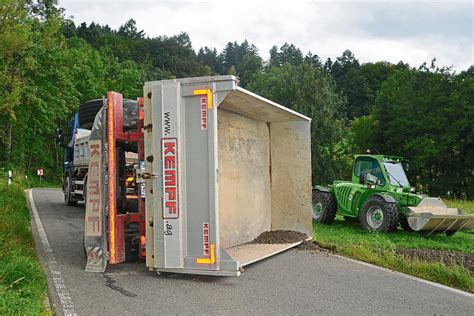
{"points": [[396, 174]]}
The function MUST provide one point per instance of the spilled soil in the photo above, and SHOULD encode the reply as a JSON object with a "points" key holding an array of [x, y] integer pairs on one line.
{"points": [[448, 258], [289, 236], [279, 237], [313, 246]]}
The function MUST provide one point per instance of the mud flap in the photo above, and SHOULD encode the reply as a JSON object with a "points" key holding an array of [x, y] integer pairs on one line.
{"points": [[95, 224], [432, 215]]}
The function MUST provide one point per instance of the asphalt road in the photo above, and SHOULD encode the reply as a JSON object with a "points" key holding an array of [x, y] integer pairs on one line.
{"points": [[294, 282]]}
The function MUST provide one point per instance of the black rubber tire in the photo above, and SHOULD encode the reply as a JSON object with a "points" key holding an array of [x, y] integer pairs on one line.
{"points": [[84, 190], [389, 210], [328, 207], [87, 112], [67, 192]]}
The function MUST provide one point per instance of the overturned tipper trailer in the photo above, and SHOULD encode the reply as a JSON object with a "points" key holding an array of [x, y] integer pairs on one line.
{"points": [[217, 165]]}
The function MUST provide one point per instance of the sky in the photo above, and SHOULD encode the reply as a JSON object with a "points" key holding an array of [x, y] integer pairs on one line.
{"points": [[411, 31]]}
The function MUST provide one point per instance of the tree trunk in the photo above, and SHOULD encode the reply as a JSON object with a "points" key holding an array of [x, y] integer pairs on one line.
{"points": [[31, 154], [9, 142]]}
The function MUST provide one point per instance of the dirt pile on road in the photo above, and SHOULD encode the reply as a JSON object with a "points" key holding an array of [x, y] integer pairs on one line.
{"points": [[313, 246], [279, 237], [449, 258]]}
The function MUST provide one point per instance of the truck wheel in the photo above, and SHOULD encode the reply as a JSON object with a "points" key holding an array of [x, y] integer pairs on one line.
{"points": [[324, 207], [87, 112], [67, 192], [84, 190], [379, 215]]}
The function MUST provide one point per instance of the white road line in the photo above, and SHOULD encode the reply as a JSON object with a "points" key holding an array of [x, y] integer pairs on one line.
{"points": [[440, 286], [63, 293]]}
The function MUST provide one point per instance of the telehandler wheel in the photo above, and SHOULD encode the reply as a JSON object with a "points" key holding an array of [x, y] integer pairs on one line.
{"points": [[324, 207], [379, 215], [67, 192]]}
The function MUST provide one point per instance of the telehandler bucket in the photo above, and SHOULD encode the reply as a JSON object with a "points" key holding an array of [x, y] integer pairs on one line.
{"points": [[432, 215]]}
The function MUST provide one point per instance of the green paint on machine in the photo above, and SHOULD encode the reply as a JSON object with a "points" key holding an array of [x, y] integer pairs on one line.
{"points": [[380, 196]]}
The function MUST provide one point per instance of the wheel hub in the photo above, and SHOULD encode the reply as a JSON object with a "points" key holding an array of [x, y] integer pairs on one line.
{"points": [[317, 209], [374, 217]]}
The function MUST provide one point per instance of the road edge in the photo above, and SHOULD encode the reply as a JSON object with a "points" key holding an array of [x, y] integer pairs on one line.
{"points": [[411, 277], [59, 299]]}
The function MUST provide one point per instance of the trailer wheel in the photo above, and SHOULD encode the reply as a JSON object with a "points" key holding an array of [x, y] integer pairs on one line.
{"points": [[67, 192], [324, 207], [379, 215]]}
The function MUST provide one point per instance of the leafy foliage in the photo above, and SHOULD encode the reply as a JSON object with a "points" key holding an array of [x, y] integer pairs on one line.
{"points": [[310, 91], [426, 115], [49, 65]]}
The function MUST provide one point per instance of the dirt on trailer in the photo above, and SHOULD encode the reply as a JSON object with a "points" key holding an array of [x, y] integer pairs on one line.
{"points": [[448, 258], [279, 237]]}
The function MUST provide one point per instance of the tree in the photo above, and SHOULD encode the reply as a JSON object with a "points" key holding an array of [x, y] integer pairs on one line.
{"points": [[244, 59], [287, 54], [310, 91], [129, 30], [425, 115], [16, 41], [209, 57]]}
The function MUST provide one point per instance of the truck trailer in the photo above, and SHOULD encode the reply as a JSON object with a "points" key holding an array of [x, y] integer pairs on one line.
{"points": [[187, 176]]}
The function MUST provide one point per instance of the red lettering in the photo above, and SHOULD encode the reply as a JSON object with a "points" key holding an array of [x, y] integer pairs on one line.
{"points": [[171, 206], [170, 178], [93, 187], [171, 193], [94, 169], [169, 148], [95, 220], [95, 205], [94, 149], [170, 162]]}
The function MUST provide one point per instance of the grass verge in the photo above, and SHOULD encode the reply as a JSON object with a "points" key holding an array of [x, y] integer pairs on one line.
{"points": [[348, 239], [23, 287]]}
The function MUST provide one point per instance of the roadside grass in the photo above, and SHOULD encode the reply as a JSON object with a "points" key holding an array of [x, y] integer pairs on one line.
{"points": [[349, 239], [23, 287], [30, 181], [464, 205]]}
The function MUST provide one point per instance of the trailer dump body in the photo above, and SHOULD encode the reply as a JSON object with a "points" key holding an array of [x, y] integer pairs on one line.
{"points": [[222, 166]]}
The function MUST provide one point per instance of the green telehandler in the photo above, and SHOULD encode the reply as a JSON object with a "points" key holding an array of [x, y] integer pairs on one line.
{"points": [[380, 197]]}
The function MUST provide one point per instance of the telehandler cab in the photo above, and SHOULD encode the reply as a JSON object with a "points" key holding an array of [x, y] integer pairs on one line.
{"points": [[379, 195]]}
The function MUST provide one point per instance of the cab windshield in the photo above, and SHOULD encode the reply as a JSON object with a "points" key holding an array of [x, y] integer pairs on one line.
{"points": [[396, 174]]}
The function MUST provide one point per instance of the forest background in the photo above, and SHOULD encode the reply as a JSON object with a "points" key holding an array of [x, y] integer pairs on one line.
{"points": [[49, 65]]}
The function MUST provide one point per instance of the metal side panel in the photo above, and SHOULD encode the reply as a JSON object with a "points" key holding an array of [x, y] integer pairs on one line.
{"points": [[148, 130], [166, 168], [201, 165]]}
